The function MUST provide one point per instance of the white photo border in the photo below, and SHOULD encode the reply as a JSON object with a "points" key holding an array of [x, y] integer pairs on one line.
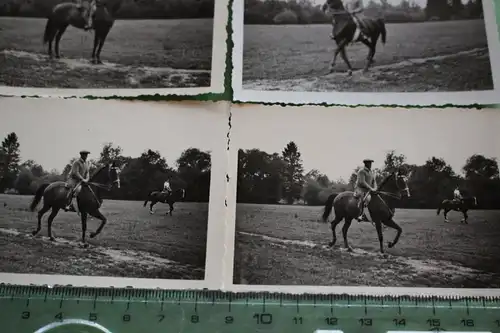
{"points": [[217, 73], [216, 212], [460, 98], [230, 238]]}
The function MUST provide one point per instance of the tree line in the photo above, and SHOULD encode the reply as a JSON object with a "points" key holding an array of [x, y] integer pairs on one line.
{"points": [[279, 178], [139, 175], [307, 12], [129, 9]]}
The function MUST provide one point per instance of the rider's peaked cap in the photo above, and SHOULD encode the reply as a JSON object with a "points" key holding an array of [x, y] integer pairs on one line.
{"points": [[367, 160], [84, 152]]}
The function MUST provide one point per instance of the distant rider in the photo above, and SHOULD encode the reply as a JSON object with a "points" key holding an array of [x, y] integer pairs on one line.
{"points": [[353, 7]]}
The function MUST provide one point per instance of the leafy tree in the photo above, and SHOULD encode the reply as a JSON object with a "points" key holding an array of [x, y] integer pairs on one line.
{"points": [[292, 172], [9, 161]]}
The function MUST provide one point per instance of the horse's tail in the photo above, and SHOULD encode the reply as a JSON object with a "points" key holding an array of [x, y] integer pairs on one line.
{"points": [[328, 206], [383, 32], [147, 198], [38, 196], [49, 29]]}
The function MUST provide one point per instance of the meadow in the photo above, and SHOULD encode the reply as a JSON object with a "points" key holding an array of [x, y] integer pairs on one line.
{"points": [[137, 54], [287, 245], [133, 242], [430, 56]]}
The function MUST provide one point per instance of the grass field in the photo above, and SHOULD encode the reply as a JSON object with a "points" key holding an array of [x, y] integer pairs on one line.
{"points": [[286, 245], [137, 54], [132, 244], [431, 56]]}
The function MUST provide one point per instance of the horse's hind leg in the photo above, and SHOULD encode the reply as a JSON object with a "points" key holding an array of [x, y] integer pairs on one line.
{"points": [[371, 53], [345, 228], [340, 48], [98, 214], [53, 214], [41, 212], [466, 217], [391, 224], [171, 209], [151, 207], [446, 210], [59, 34], [334, 224]]}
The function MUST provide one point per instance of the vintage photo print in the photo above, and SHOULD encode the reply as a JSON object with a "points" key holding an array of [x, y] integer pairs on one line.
{"points": [[112, 47], [411, 196], [95, 190], [368, 52]]}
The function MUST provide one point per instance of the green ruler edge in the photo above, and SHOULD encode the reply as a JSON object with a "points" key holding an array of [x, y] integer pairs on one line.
{"points": [[91, 310]]}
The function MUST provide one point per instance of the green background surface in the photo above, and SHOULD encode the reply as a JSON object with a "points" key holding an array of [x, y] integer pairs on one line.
{"points": [[152, 311]]}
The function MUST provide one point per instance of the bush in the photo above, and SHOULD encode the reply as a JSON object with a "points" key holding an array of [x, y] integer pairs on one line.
{"points": [[287, 16]]}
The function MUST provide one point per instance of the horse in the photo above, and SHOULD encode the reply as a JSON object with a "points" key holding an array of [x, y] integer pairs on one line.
{"points": [[55, 197], [344, 29], [459, 206], [158, 196], [393, 187], [65, 14]]}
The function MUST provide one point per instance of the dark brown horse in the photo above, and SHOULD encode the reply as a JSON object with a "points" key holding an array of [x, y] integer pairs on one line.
{"points": [[344, 29], [88, 200], [68, 13], [392, 188], [460, 206], [157, 196]]}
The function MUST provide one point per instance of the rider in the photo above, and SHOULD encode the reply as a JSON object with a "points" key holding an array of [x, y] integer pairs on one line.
{"points": [[457, 196], [355, 8], [79, 175], [365, 185], [166, 186], [87, 14]]}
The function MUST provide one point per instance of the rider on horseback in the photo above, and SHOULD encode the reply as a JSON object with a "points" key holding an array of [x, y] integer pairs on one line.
{"points": [[355, 9], [89, 14], [79, 175], [457, 196], [166, 186], [365, 185]]}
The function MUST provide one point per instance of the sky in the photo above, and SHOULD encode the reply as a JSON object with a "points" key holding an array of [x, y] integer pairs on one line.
{"points": [[335, 141], [53, 131]]}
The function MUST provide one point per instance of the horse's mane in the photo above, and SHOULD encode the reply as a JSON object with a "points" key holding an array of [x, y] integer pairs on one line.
{"points": [[98, 170], [386, 178]]}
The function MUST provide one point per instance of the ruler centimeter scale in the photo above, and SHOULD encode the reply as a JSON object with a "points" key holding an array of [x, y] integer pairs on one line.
{"points": [[32, 309]]}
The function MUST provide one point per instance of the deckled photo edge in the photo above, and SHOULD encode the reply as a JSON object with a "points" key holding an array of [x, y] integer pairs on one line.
{"points": [[230, 255], [217, 72], [426, 99], [213, 249]]}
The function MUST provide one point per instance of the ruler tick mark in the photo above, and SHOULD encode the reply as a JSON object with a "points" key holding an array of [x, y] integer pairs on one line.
{"points": [[229, 303], [196, 304], [399, 306], [366, 308], [298, 310], [433, 307], [264, 304], [467, 306], [27, 302], [95, 302]]}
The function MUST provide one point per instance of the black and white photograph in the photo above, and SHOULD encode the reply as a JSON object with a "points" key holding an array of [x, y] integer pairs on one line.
{"points": [[367, 197], [111, 47], [107, 189], [371, 52]]}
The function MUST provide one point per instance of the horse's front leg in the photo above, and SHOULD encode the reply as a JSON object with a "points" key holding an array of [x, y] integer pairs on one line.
{"points": [[344, 57], [151, 207], [58, 39], [97, 214], [171, 209], [446, 215], [340, 48], [392, 224], [378, 227], [371, 54], [83, 217]]}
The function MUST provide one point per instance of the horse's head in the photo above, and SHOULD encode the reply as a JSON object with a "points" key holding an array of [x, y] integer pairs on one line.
{"points": [[332, 5], [397, 182], [182, 193], [108, 174], [114, 174]]}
